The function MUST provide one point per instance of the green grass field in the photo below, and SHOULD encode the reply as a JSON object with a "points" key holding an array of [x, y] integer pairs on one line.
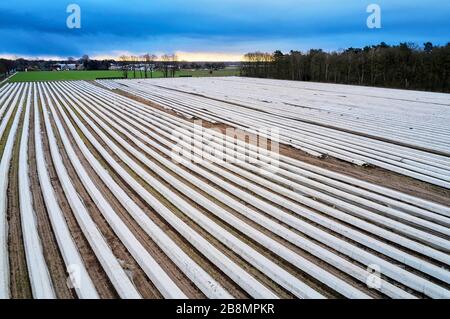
{"points": [[33, 76]]}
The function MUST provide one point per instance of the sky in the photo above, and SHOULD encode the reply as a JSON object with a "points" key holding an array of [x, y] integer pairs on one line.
{"points": [[221, 30]]}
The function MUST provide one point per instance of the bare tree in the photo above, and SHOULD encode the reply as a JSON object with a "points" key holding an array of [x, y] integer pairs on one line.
{"points": [[174, 62], [124, 59], [152, 60], [145, 58], [139, 59], [165, 60], [149, 60], [399, 66], [133, 65]]}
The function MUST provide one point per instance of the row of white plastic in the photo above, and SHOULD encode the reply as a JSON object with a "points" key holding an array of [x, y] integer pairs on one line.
{"points": [[336, 138], [246, 211], [92, 104], [366, 206], [198, 275], [352, 110], [5, 164], [441, 209], [265, 265]]}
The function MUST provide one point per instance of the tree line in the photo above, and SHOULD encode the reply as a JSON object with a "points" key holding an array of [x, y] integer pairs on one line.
{"points": [[130, 65], [168, 64], [405, 66]]}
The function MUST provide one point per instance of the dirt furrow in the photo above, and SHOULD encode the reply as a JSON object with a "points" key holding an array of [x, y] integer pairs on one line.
{"points": [[270, 255], [169, 267], [375, 175], [274, 257], [317, 261], [254, 244], [93, 266], [187, 247], [137, 275], [20, 287], [54, 260]]}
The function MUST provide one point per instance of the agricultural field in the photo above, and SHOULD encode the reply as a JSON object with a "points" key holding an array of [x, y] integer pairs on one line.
{"points": [[111, 189], [405, 132], [33, 76]]}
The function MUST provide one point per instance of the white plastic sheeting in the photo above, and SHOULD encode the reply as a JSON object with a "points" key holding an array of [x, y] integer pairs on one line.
{"points": [[439, 273], [111, 265], [40, 281], [275, 272], [330, 227], [82, 283], [407, 135], [435, 291], [200, 277], [264, 221], [5, 164]]}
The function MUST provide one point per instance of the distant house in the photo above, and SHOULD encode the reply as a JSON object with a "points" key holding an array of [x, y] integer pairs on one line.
{"points": [[114, 66], [131, 67], [64, 66]]}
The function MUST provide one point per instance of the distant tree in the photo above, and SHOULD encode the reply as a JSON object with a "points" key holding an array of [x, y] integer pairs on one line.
{"points": [[165, 64], [140, 59], [145, 58], [428, 47], [149, 60], [3, 68], [7, 67], [124, 66], [399, 66], [152, 60], [133, 60], [85, 60], [174, 64], [195, 66]]}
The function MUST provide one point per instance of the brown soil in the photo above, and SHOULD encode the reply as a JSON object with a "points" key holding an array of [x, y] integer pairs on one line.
{"points": [[93, 266], [370, 174], [19, 280], [171, 269], [54, 260], [251, 242], [189, 249], [144, 286]]}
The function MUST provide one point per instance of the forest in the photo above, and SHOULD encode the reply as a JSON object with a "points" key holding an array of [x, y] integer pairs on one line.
{"points": [[403, 66]]}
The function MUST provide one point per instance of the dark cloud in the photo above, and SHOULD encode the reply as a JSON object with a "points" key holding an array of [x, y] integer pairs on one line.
{"points": [[39, 27]]}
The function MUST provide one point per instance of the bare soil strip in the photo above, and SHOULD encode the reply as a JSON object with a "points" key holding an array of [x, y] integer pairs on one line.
{"points": [[214, 272], [375, 137], [182, 281], [142, 283], [55, 262], [20, 287], [93, 266], [374, 175], [232, 220], [269, 233], [255, 245]]}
